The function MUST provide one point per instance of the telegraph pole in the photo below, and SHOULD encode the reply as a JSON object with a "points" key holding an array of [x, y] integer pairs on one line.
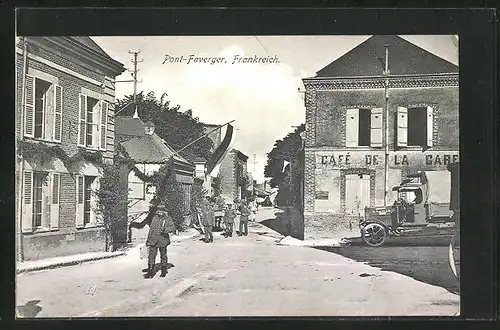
{"points": [[134, 75], [386, 115]]}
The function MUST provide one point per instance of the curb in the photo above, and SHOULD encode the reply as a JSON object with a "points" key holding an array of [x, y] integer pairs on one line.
{"points": [[67, 263]]}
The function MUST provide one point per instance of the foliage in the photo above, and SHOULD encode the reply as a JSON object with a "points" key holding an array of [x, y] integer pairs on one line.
{"points": [[112, 202], [216, 184], [168, 191], [42, 153], [176, 127], [285, 149]]}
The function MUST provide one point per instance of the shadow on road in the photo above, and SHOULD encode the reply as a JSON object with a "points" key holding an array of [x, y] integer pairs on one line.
{"points": [[29, 310], [428, 264], [287, 222]]}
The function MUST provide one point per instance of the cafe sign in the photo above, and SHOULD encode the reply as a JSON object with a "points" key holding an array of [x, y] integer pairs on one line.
{"points": [[396, 159]]}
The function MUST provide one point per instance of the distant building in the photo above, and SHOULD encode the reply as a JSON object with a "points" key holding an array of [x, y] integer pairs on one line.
{"points": [[233, 176], [69, 98], [149, 152], [345, 128]]}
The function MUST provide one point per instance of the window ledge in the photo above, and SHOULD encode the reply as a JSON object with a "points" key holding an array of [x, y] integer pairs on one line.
{"points": [[40, 140], [39, 230]]}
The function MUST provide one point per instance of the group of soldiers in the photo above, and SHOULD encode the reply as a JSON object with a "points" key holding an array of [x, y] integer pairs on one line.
{"points": [[207, 214], [161, 223]]}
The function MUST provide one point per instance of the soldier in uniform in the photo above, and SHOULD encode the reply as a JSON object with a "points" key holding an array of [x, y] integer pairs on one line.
{"points": [[245, 212], [229, 216], [158, 238], [207, 220]]}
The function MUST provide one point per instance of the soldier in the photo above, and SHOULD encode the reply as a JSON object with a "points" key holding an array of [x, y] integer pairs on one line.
{"points": [[158, 238], [229, 216], [245, 212], [207, 219]]}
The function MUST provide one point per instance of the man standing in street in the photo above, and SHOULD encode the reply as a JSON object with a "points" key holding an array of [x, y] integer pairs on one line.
{"points": [[207, 220], [229, 216], [158, 238], [245, 212]]}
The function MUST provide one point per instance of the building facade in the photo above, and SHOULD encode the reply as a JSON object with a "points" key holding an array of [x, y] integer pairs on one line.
{"points": [[65, 99], [346, 136], [233, 176]]}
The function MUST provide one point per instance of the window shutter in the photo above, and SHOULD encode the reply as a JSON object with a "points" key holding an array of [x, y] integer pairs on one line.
{"points": [[352, 127], [79, 201], [104, 124], [430, 126], [82, 121], [96, 117], [54, 205], [57, 114], [402, 123], [29, 107], [27, 214], [94, 214], [376, 128]]}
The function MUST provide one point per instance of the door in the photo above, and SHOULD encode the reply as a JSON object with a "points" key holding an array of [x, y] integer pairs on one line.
{"points": [[357, 193]]}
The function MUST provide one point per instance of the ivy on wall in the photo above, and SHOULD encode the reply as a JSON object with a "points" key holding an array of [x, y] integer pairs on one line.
{"points": [[42, 153]]}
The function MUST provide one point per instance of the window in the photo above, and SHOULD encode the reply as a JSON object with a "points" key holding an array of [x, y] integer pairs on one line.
{"points": [[38, 182], [364, 127], [93, 121], [88, 199], [40, 201], [415, 127], [43, 110]]}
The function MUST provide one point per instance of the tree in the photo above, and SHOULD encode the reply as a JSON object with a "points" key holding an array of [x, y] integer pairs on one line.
{"points": [[112, 203], [176, 127], [284, 149]]}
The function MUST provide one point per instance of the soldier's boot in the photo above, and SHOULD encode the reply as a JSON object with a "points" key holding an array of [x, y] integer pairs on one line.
{"points": [[150, 272], [163, 271]]}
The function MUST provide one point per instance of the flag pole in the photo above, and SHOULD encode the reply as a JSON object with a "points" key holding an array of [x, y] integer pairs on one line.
{"points": [[201, 137]]}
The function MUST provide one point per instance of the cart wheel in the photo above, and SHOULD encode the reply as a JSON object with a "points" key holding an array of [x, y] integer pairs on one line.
{"points": [[374, 234], [454, 256]]}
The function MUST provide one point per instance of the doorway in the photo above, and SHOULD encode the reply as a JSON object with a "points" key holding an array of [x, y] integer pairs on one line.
{"points": [[357, 193]]}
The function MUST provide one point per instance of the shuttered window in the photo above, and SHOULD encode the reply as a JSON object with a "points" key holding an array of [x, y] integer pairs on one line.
{"points": [[402, 127], [376, 128], [27, 212], [418, 127], [104, 125], [352, 127], [82, 123], [58, 110], [55, 188], [29, 108]]}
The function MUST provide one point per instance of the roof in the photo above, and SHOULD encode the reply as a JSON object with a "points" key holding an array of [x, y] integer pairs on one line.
{"points": [[405, 58], [240, 154], [89, 43], [141, 147]]}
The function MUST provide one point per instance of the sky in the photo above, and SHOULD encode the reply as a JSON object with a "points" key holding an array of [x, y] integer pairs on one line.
{"points": [[263, 98]]}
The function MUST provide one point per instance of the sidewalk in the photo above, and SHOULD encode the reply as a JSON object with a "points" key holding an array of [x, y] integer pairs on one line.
{"points": [[71, 260], [280, 224]]}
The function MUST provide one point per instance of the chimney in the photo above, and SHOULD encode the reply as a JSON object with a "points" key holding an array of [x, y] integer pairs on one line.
{"points": [[149, 128]]}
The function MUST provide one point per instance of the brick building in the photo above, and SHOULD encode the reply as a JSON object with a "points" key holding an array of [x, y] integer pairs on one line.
{"points": [[232, 176], [65, 97], [345, 128]]}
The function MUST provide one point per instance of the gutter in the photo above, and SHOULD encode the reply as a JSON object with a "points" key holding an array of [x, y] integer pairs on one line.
{"points": [[20, 247]]}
